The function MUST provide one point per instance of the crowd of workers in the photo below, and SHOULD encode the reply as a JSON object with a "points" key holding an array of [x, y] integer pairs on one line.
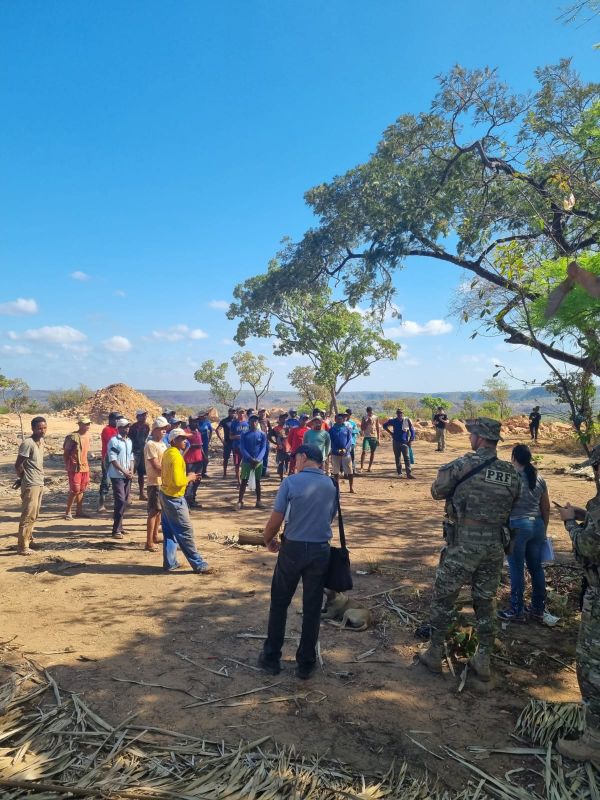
{"points": [[493, 507]]}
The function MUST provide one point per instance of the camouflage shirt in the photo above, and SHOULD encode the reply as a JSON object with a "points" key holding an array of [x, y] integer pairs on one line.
{"points": [[586, 540], [487, 496]]}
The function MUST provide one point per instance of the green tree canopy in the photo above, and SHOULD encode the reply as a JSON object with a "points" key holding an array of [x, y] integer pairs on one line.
{"points": [[488, 180], [254, 371], [340, 343], [312, 393], [215, 377]]}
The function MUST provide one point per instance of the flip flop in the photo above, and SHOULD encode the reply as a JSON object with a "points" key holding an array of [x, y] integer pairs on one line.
{"points": [[151, 549]]}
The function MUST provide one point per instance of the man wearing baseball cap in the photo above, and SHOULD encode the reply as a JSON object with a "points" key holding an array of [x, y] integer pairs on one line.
{"points": [[479, 489], [120, 472], [75, 453], [176, 524], [583, 526], [108, 431]]}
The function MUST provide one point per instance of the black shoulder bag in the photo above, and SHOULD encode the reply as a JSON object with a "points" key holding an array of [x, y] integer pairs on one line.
{"points": [[339, 573]]}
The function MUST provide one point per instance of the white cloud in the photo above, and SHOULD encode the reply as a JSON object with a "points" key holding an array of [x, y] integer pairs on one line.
{"points": [[178, 332], [51, 334], [227, 341], [120, 293], [469, 359], [15, 308], [434, 327], [17, 349], [79, 276], [117, 344], [222, 305]]}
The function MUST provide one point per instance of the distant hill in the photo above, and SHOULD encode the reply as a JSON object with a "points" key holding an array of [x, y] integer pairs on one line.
{"points": [[521, 400]]}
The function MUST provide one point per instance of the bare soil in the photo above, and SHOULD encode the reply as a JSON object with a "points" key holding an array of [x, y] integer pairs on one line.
{"points": [[106, 622]]}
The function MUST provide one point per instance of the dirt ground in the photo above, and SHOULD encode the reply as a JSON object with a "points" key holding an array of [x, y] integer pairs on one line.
{"points": [[106, 622]]}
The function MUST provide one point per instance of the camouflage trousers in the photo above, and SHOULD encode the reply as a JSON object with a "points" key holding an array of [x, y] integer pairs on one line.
{"points": [[475, 558], [588, 655]]}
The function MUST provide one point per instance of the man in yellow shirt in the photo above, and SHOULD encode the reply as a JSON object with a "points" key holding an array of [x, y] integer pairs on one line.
{"points": [[176, 524]]}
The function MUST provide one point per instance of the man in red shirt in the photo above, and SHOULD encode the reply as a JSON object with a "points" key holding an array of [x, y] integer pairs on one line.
{"points": [[278, 435], [295, 437], [106, 435], [194, 460]]}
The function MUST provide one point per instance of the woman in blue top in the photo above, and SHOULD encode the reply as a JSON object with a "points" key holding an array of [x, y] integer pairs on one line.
{"points": [[529, 520]]}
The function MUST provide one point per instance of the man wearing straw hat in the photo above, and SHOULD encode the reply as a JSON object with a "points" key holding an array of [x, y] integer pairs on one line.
{"points": [[585, 536]]}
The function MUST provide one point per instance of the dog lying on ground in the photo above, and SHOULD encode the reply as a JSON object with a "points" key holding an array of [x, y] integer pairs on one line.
{"points": [[338, 606]]}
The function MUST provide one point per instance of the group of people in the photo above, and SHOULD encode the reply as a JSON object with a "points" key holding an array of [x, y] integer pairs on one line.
{"points": [[493, 507]]}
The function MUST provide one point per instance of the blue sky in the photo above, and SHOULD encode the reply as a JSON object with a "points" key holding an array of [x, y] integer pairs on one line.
{"points": [[155, 153]]}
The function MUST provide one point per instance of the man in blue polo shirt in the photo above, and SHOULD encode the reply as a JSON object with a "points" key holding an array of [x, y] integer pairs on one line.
{"points": [[307, 503], [341, 448], [403, 434]]}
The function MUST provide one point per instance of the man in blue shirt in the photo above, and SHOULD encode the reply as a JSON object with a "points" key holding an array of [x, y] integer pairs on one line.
{"points": [[403, 434], [292, 421], [236, 428], [354, 430], [307, 503], [206, 432], [119, 455], [341, 448], [253, 444]]}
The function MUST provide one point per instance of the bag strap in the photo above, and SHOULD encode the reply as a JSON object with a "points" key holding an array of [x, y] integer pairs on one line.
{"points": [[470, 474], [339, 512]]}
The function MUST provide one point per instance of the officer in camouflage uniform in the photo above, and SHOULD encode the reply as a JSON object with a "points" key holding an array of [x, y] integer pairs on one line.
{"points": [[477, 511], [586, 545]]}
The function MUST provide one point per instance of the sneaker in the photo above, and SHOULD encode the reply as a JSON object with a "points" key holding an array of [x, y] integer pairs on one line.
{"points": [[69, 516], [510, 615], [260, 505], [272, 667], [304, 671], [411, 477], [239, 506], [205, 571], [117, 535]]}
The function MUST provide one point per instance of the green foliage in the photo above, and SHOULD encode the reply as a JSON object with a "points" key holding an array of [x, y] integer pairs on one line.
{"points": [[410, 406], [469, 408], [15, 396], [340, 344], [313, 394], [254, 371], [433, 403], [510, 182], [214, 376], [491, 409], [577, 389], [496, 393], [69, 398]]}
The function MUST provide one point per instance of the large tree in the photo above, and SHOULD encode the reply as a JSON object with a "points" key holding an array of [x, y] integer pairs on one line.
{"points": [[487, 180], [341, 344]]}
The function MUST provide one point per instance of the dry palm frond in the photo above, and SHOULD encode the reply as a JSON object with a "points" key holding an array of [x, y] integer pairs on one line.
{"points": [[66, 750], [544, 722]]}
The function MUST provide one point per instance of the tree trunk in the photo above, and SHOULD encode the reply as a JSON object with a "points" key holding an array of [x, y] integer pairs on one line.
{"points": [[333, 406]]}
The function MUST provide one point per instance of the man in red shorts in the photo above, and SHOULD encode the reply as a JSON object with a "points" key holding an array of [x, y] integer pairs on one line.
{"points": [[75, 453]]}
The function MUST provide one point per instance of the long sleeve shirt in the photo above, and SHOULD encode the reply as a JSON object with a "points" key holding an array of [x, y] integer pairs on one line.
{"points": [[253, 445], [341, 438]]}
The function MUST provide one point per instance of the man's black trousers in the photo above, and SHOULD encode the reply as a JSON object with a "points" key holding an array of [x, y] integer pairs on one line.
{"points": [[401, 450], [309, 561]]}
